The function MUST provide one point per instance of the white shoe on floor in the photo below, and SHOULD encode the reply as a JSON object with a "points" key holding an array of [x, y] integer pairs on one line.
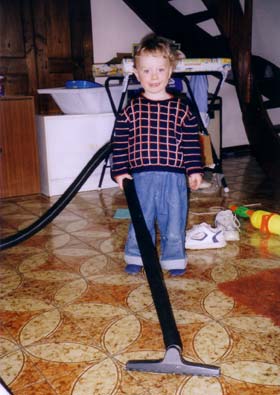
{"points": [[203, 236], [229, 224]]}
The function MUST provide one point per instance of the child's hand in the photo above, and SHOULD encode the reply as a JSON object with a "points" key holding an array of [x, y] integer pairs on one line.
{"points": [[195, 181], [120, 179]]}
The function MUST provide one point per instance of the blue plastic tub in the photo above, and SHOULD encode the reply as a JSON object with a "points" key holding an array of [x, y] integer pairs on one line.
{"points": [[81, 84]]}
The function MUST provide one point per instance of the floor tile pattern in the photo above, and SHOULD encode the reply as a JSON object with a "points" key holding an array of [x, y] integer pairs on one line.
{"points": [[70, 317]]}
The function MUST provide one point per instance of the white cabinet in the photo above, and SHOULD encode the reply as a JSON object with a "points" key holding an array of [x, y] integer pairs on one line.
{"points": [[66, 144]]}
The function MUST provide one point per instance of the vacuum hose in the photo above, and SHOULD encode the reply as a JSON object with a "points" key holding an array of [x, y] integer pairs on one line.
{"points": [[61, 203], [152, 267], [172, 361]]}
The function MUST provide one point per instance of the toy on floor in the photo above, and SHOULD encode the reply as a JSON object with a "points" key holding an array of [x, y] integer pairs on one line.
{"points": [[266, 221]]}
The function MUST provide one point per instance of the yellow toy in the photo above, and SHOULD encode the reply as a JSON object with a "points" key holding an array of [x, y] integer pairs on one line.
{"points": [[266, 221]]}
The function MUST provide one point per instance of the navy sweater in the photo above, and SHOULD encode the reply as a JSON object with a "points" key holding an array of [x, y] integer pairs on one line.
{"points": [[156, 136]]}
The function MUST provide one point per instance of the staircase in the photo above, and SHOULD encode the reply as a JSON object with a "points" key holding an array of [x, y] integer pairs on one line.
{"points": [[257, 81], [164, 19]]}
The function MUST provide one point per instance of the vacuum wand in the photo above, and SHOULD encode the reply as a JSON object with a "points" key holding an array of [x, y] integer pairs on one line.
{"points": [[172, 361]]}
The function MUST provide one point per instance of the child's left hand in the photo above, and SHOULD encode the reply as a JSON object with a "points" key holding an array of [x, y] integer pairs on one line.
{"points": [[195, 181]]}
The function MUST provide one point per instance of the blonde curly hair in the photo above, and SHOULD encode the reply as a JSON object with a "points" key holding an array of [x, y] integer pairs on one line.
{"points": [[157, 45]]}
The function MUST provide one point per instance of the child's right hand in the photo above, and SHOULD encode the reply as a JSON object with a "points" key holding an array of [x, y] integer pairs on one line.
{"points": [[195, 181], [120, 179]]}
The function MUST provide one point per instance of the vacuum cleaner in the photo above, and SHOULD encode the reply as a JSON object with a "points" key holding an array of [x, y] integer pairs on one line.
{"points": [[172, 361]]}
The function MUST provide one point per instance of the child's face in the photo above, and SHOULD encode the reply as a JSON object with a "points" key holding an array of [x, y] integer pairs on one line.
{"points": [[153, 72]]}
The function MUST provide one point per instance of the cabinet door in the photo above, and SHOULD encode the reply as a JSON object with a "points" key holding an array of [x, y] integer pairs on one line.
{"points": [[44, 43], [19, 170]]}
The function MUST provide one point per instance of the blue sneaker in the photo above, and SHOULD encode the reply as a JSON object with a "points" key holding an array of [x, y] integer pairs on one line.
{"points": [[176, 272], [133, 269]]}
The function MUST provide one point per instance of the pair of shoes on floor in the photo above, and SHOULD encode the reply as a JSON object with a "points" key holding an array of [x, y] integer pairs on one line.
{"points": [[203, 236], [229, 223], [135, 269]]}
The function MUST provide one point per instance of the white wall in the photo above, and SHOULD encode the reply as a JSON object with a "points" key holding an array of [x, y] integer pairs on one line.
{"points": [[116, 27], [265, 38], [233, 129], [266, 30]]}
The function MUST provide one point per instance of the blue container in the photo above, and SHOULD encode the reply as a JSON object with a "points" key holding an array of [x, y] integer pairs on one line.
{"points": [[81, 84]]}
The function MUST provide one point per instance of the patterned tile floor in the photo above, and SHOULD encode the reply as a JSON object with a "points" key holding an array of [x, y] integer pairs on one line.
{"points": [[70, 318]]}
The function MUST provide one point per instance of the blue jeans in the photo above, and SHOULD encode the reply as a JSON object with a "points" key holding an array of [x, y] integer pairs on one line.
{"points": [[163, 199]]}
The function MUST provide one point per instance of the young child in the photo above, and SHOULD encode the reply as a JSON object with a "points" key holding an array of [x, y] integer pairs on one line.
{"points": [[156, 143]]}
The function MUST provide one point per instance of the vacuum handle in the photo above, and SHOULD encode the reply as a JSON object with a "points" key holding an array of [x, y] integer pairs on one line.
{"points": [[152, 268]]}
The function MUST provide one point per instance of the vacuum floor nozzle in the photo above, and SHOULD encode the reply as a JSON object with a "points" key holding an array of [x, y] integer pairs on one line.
{"points": [[173, 363]]}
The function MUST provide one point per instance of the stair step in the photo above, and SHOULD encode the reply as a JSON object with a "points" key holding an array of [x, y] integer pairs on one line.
{"points": [[269, 104], [198, 17], [165, 19]]}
